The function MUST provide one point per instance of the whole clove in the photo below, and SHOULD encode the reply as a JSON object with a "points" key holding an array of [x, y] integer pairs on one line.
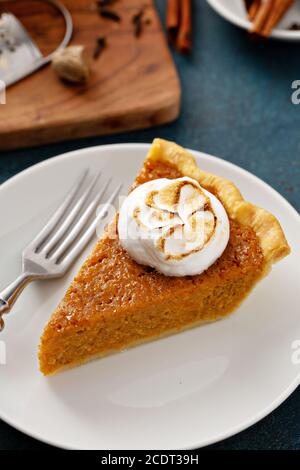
{"points": [[101, 44], [139, 22], [295, 27], [109, 15], [105, 12], [105, 3]]}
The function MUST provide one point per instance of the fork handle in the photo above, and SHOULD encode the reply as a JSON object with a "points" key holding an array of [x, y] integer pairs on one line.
{"points": [[10, 294]]}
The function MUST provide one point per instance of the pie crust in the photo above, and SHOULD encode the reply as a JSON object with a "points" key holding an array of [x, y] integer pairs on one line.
{"points": [[267, 228], [114, 303]]}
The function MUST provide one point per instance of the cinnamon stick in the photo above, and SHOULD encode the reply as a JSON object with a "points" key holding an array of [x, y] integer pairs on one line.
{"points": [[173, 18], [253, 9], [277, 12], [184, 38], [248, 4], [262, 16]]}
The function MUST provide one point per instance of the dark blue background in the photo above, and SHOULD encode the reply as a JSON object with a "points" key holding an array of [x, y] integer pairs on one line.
{"points": [[236, 105]]}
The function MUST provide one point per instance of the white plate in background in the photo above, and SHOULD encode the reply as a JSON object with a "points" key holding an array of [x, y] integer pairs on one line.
{"points": [[234, 11]]}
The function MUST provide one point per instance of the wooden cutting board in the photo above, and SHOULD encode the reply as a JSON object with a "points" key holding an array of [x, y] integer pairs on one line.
{"points": [[134, 83]]}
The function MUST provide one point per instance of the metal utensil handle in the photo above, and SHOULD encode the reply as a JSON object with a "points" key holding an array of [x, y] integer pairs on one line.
{"points": [[68, 32], [10, 294]]}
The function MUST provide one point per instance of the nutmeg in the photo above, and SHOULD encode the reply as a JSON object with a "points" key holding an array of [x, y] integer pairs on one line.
{"points": [[72, 64]]}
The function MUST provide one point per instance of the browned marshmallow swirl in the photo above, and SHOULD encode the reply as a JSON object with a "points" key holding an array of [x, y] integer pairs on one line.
{"points": [[174, 226]]}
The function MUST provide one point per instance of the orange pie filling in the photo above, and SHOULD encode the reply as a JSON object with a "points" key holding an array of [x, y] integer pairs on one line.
{"points": [[114, 303]]}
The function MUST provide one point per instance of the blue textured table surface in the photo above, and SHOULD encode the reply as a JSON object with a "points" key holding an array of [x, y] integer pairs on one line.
{"points": [[236, 105]]}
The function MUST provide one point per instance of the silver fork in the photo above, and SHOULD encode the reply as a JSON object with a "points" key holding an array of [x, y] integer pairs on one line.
{"points": [[63, 238]]}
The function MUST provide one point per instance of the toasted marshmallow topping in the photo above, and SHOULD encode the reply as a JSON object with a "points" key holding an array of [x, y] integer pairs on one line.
{"points": [[174, 226]]}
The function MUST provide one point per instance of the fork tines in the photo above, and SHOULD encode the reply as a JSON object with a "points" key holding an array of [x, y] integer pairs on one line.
{"points": [[75, 221]]}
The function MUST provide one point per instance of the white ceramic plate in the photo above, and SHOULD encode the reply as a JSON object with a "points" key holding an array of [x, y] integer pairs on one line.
{"points": [[183, 391], [235, 12]]}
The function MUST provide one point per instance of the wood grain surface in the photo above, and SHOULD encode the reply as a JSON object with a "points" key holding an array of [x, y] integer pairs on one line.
{"points": [[134, 83]]}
